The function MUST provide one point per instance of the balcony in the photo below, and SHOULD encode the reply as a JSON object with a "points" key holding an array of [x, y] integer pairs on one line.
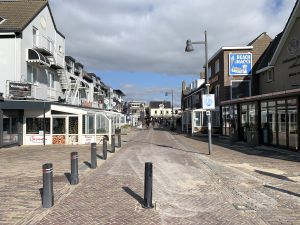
{"points": [[43, 44]]}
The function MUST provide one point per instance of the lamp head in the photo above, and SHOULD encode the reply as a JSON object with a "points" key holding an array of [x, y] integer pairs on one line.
{"points": [[189, 46]]}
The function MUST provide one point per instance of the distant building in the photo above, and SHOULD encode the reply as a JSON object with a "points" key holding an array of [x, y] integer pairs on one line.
{"points": [[135, 111], [160, 109]]}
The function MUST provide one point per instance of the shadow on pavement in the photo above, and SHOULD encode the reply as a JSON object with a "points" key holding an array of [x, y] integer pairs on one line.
{"points": [[88, 164], [99, 156], [68, 176], [281, 177], [268, 152], [134, 195], [282, 190]]}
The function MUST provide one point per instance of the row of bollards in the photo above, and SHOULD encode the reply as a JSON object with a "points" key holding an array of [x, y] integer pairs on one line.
{"points": [[47, 192]]}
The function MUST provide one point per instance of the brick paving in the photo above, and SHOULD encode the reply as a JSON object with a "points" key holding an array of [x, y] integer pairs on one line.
{"points": [[235, 185]]}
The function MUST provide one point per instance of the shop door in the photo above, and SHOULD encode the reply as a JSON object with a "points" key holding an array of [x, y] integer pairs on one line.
{"points": [[282, 123]]}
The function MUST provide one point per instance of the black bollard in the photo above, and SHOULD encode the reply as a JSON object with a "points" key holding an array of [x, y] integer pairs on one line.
{"points": [[113, 144], [104, 148], [74, 179], [48, 196], [148, 186], [93, 155], [119, 140]]}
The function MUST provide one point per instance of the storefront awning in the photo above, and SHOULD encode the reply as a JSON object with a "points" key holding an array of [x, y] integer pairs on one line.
{"points": [[34, 56]]}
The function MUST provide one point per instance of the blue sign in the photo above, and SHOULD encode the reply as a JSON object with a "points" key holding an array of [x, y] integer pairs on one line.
{"points": [[240, 64]]}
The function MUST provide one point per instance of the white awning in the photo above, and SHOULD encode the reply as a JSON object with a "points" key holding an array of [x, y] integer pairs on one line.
{"points": [[34, 56]]}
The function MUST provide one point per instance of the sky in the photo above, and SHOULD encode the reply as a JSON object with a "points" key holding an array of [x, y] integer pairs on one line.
{"points": [[138, 46]]}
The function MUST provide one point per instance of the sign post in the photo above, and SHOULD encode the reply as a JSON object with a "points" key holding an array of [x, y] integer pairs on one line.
{"points": [[208, 103]]}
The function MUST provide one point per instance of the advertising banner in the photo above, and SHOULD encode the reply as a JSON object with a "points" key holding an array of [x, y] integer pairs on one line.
{"points": [[19, 90], [240, 64]]}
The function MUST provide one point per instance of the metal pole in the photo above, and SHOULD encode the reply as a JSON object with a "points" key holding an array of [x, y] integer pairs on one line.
{"points": [[44, 125], [74, 178], [113, 144], [148, 186], [207, 91], [93, 155], [104, 150], [48, 196]]}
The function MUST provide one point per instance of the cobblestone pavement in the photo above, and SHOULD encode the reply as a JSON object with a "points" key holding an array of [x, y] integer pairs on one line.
{"points": [[235, 185]]}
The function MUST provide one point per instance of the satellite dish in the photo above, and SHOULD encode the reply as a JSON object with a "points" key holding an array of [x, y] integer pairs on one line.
{"points": [[106, 101]]}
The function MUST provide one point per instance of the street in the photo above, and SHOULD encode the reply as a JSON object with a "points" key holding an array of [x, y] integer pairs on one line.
{"points": [[234, 185]]}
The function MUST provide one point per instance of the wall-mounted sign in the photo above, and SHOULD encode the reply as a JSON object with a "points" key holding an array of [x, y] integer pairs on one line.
{"points": [[240, 64], [37, 140], [161, 106], [19, 90], [208, 102]]}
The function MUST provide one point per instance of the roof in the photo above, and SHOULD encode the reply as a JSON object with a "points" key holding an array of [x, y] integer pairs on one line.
{"points": [[288, 27], [268, 54], [155, 104], [18, 14], [70, 58], [255, 39], [228, 49]]}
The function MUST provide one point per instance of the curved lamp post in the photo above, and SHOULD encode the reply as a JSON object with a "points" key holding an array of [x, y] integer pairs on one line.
{"points": [[189, 48]]}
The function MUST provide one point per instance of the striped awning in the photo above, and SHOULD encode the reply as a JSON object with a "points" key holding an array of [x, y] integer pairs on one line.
{"points": [[34, 56]]}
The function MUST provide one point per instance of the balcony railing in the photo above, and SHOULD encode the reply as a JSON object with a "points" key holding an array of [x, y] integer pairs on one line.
{"points": [[43, 43]]}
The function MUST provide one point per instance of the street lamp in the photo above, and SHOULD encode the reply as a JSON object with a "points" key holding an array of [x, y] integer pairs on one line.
{"points": [[189, 48], [172, 108]]}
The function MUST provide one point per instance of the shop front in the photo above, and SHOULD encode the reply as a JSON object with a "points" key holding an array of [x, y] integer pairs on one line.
{"points": [[266, 119], [46, 123]]}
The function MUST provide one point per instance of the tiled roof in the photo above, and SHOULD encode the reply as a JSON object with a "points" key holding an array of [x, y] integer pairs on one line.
{"points": [[18, 14]]}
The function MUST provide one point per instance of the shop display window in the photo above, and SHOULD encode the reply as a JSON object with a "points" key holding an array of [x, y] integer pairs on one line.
{"points": [[36, 125]]}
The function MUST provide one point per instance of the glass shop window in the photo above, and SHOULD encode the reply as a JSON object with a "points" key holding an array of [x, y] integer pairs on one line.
{"points": [[73, 125], [36, 125], [59, 125]]}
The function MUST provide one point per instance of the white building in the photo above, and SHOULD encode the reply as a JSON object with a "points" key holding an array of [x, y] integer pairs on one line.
{"points": [[48, 98]]}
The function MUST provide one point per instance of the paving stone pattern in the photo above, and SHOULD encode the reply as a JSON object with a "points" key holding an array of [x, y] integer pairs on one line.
{"points": [[237, 184]]}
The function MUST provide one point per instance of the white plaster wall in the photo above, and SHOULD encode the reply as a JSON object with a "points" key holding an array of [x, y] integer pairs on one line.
{"points": [[40, 89], [7, 59]]}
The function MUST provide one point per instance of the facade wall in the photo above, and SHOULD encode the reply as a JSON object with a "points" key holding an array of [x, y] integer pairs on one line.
{"points": [[43, 22], [287, 66], [8, 63]]}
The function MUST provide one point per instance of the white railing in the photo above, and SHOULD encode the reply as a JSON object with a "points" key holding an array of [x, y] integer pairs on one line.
{"points": [[44, 43]]}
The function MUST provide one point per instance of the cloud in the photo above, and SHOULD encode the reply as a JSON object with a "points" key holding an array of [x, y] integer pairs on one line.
{"points": [[149, 36]]}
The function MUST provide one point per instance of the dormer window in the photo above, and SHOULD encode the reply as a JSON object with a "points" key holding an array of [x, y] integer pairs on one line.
{"points": [[2, 20]]}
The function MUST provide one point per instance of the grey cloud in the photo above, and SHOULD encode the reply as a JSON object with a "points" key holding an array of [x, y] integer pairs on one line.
{"points": [[149, 36]]}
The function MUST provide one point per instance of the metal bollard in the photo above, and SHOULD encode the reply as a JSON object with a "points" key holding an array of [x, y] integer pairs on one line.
{"points": [[148, 186], [74, 179], [104, 148], [48, 196], [113, 144], [93, 155], [119, 140]]}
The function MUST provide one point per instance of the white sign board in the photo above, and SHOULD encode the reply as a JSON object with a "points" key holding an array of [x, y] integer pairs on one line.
{"points": [[208, 102]]}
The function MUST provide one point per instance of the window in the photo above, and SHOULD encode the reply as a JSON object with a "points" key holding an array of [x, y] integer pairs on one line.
{"points": [[35, 33], [32, 73], [217, 66], [60, 49], [240, 89], [161, 112], [155, 112], [269, 75], [36, 125], [50, 78], [217, 90], [209, 72]]}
